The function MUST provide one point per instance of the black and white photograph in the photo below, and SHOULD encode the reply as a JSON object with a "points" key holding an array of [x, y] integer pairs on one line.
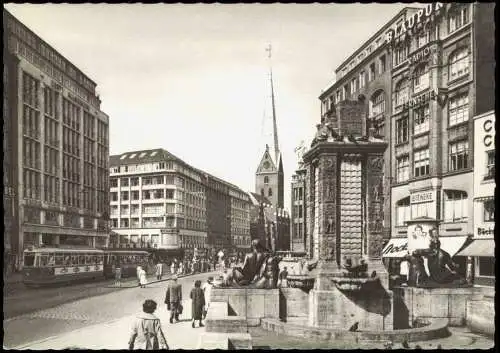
{"points": [[254, 176]]}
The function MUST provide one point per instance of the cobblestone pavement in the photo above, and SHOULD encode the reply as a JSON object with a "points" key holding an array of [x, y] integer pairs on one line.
{"points": [[74, 315]]}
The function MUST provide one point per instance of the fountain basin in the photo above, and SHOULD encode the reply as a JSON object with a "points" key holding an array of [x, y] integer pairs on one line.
{"points": [[431, 329], [352, 284]]}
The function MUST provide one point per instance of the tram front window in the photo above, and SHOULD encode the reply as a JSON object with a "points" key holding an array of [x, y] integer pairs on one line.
{"points": [[44, 259], [29, 259]]}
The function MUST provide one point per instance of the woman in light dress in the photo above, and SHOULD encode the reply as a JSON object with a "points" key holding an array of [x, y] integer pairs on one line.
{"points": [[143, 280]]}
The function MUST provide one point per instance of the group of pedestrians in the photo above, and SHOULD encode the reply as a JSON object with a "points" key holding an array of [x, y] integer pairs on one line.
{"points": [[147, 331]]}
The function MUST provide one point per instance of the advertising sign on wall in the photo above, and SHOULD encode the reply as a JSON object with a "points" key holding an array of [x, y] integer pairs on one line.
{"points": [[419, 235]]}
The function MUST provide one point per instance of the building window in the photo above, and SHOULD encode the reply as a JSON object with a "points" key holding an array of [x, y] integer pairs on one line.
{"points": [[337, 96], [353, 86], [345, 91], [458, 63], [486, 266], [420, 78], [490, 165], [423, 38], [382, 64], [400, 54], [371, 72], [458, 18], [421, 162], [402, 212], [489, 211], [266, 180], [270, 192], [362, 79], [455, 206], [402, 169], [401, 95], [377, 104], [124, 181], [458, 109], [124, 195], [459, 155], [402, 130], [424, 209], [134, 181], [421, 117], [114, 196]]}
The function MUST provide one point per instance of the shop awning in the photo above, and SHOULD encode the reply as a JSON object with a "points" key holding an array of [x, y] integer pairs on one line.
{"points": [[479, 247], [398, 247]]}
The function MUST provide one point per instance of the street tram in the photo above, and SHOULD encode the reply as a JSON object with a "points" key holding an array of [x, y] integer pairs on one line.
{"points": [[55, 265], [46, 265], [127, 259]]}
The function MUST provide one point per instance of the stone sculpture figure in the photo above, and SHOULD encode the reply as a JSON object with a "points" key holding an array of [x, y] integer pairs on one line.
{"points": [[270, 273], [252, 265]]}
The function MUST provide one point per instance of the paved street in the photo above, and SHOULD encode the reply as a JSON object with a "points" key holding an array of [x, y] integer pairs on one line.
{"points": [[115, 305]]}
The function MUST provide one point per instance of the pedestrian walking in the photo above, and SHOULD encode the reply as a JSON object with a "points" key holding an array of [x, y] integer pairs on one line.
{"points": [[181, 268], [173, 299], [143, 280], [173, 267], [207, 290], [159, 271], [404, 269], [118, 275], [139, 269], [146, 331], [197, 303], [283, 278]]}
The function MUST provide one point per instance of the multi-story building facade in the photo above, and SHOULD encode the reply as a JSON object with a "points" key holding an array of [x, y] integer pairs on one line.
{"points": [[159, 201], [365, 76], [298, 212], [481, 251], [58, 146], [441, 77]]}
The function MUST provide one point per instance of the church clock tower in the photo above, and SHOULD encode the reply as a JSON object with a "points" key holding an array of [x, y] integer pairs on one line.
{"points": [[269, 178]]}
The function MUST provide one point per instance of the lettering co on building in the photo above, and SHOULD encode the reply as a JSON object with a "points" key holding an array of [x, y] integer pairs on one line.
{"points": [[422, 16], [489, 134]]}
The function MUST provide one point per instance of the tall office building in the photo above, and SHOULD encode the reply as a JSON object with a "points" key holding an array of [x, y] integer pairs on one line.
{"points": [[158, 201], [56, 152]]}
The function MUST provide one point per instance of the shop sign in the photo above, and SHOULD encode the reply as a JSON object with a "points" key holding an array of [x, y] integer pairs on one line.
{"points": [[426, 196], [419, 236], [420, 16], [391, 249], [422, 99], [489, 136], [421, 55], [485, 231]]}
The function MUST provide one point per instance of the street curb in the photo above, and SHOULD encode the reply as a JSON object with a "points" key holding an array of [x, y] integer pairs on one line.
{"points": [[162, 280]]}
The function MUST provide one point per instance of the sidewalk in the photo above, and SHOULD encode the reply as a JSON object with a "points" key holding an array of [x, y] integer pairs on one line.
{"points": [[115, 334]]}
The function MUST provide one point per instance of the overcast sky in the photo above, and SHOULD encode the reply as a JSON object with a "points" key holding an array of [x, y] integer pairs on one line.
{"points": [[193, 79]]}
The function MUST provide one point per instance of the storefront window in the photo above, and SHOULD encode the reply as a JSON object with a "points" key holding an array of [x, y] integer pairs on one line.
{"points": [[403, 211], [455, 206], [487, 266], [489, 211]]}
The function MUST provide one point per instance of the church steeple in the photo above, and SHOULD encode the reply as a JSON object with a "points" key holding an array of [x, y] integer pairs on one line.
{"points": [[273, 106], [269, 178]]}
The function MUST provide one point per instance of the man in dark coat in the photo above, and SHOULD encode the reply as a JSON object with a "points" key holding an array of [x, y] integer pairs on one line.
{"points": [[198, 302], [173, 299]]}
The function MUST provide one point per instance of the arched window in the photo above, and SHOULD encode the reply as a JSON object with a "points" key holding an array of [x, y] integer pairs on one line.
{"points": [[420, 78], [402, 211], [401, 92], [377, 104], [270, 192], [458, 63], [266, 180], [455, 206]]}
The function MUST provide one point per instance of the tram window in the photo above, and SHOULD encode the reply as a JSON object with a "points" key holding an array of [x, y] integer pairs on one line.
{"points": [[29, 259], [67, 260], [88, 260], [74, 260], [59, 260], [94, 259], [101, 259], [81, 259], [44, 259]]}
